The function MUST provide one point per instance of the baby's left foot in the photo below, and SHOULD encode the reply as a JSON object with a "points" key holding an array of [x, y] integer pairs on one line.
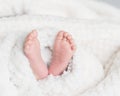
{"points": [[64, 48], [32, 52]]}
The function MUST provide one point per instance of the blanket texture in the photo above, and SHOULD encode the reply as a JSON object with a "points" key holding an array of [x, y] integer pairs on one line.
{"points": [[86, 9], [22, 77], [94, 70]]}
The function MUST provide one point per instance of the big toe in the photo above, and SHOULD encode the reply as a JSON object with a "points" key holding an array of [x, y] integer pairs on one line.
{"points": [[32, 35], [60, 35]]}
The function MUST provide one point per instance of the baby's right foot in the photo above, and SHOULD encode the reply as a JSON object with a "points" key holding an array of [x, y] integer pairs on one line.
{"points": [[32, 52], [64, 48]]}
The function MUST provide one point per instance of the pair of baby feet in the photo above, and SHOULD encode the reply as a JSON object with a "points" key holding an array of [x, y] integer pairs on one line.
{"points": [[64, 48]]}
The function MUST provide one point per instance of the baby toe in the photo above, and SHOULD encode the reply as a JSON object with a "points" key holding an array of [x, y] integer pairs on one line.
{"points": [[71, 41], [64, 39], [73, 47], [34, 33], [29, 37], [29, 42], [60, 35], [26, 49], [65, 34], [69, 37]]}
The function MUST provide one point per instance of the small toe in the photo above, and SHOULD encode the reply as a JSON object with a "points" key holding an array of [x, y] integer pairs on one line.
{"points": [[60, 35], [71, 41], [26, 41], [73, 47], [65, 34], [26, 48], [64, 39], [29, 42], [69, 37]]}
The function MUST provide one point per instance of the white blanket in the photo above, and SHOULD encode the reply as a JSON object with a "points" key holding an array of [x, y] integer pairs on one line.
{"points": [[98, 43], [89, 9]]}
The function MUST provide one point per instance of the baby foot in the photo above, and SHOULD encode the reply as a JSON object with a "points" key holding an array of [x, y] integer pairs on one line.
{"points": [[32, 52], [64, 48]]}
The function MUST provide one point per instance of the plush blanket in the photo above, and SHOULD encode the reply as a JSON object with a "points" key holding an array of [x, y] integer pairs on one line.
{"points": [[85, 9], [93, 70]]}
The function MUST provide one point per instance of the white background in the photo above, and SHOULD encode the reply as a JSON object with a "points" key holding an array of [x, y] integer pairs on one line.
{"points": [[116, 3]]}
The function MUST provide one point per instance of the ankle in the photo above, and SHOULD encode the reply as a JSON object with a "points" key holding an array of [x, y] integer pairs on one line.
{"points": [[56, 68], [42, 76]]}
